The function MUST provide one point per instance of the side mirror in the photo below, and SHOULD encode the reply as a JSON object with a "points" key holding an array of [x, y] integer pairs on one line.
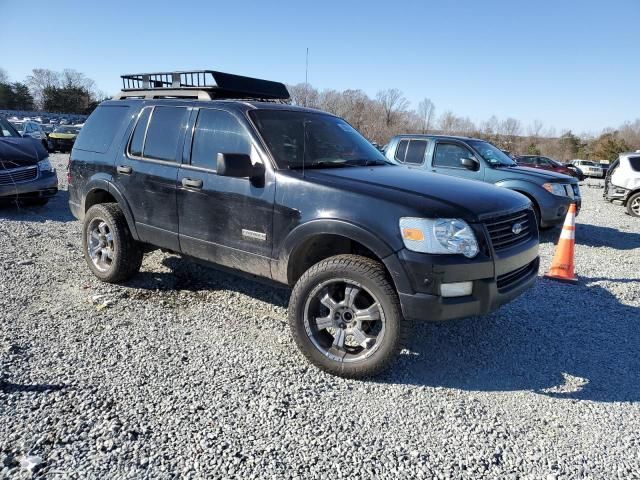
{"points": [[470, 163], [238, 165]]}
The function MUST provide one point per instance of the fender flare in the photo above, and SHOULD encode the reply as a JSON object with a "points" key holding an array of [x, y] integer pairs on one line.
{"points": [[105, 184], [327, 226]]}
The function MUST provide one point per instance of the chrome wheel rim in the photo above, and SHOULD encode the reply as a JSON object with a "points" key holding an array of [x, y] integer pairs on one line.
{"points": [[344, 320], [635, 206], [100, 247]]}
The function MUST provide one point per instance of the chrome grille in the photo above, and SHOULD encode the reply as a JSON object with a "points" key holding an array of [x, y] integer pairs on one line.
{"points": [[501, 230], [18, 175]]}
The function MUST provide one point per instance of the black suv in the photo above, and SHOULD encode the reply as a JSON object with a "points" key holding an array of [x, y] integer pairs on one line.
{"points": [[231, 175], [475, 159]]}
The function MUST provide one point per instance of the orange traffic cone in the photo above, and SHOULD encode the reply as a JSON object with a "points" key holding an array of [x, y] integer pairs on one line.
{"points": [[562, 263]]}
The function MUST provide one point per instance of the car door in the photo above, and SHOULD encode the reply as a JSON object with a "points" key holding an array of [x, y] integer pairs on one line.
{"points": [[446, 160], [225, 220], [147, 171]]}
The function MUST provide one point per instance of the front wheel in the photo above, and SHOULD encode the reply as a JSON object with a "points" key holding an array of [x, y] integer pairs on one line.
{"points": [[345, 316], [633, 205]]}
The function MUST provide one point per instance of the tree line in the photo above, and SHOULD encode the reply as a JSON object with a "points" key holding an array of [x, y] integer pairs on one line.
{"points": [[389, 114], [68, 91]]}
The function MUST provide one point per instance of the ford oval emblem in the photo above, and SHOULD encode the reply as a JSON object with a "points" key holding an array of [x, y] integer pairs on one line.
{"points": [[516, 228]]}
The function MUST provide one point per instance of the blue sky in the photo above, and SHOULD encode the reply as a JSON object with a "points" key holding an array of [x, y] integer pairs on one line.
{"points": [[570, 64]]}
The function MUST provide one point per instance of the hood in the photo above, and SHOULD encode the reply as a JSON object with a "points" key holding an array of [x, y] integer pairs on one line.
{"points": [[533, 175], [430, 193], [20, 151]]}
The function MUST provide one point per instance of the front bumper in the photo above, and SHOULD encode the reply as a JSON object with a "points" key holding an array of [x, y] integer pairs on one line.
{"points": [[45, 185], [554, 208], [495, 282]]}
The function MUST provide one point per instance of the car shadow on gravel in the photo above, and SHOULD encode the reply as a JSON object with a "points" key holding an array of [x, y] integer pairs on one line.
{"points": [[563, 341], [56, 210], [596, 236], [193, 277], [8, 388]]}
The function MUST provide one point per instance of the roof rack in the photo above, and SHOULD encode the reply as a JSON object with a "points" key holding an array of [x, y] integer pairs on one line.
{"points": [[201, 85]]}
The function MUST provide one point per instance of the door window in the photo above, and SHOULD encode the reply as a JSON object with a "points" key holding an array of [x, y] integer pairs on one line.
{"points": [[217, 132], [401, 151], [449, 155], [415, 152], [163, 134]]}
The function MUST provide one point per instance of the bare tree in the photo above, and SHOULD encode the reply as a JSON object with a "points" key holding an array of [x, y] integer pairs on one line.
{"points": [[510, 129], [535, 129], [426, 112], [392, 102], [304, 95], [40, 79], [448, 122]]}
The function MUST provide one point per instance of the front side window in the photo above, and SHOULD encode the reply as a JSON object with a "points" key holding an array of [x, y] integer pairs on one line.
{"points": [[301, 139], [491, 153], [163, 133], [449, 155], [217, 132]]}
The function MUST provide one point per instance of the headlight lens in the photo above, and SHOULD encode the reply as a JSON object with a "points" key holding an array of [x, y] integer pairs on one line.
{"points": [[45, 165], [438, 235], [556, 188]]}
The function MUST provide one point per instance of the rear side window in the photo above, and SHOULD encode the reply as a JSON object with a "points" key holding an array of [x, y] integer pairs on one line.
{"points": [[449, 155], [137, 141], [217, 132], [163, 133], [100, 128], [401, 151], [635, 163], [415, 152]]}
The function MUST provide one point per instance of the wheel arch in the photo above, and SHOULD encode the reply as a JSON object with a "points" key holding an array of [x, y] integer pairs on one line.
{"points": [[103, 191], [317, 240]]}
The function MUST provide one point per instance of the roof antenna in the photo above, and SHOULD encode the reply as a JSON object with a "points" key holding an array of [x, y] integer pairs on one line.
{"points": [[304, 120]]}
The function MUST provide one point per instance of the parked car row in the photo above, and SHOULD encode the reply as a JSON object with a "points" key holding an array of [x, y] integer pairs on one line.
{"points": [[58, 138]]}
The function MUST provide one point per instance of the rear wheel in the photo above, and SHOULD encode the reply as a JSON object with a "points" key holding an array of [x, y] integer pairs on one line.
{"points": [[109, 249], [345, 316], [633, 205]]}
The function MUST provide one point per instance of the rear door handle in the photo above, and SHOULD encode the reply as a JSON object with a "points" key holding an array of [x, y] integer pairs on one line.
{"points": [[192, 182], [126, 169]]}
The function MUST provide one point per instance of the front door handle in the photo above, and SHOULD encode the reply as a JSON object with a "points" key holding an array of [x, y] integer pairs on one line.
{"points": [[126, 169], [192, 182]]}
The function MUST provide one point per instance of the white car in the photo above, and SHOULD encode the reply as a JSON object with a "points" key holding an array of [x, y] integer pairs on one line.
{"points": [[589, 169], [622, 185]]}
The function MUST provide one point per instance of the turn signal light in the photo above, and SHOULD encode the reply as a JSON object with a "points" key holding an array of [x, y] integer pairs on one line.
{"points": [[413, 234]]}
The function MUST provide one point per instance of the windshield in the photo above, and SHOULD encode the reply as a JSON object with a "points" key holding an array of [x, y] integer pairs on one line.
{"points": [[67, 130], [7, 130], [491, 154], [315, 139]]}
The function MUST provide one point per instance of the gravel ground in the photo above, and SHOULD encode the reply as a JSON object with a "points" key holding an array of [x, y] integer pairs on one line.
{"points": [[188, 372]]}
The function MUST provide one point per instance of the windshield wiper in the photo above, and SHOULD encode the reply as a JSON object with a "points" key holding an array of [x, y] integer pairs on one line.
{"points": [[319, 165]]}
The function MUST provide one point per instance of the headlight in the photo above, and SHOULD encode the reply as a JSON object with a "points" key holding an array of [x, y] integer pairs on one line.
{"points": [[45, 165], [556, 188], [438, 235]]}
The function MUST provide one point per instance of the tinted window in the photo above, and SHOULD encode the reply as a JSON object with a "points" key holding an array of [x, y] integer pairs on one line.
{"points": [[6, 129], [635, 163], [137, 141], [217, 132], [163, 133], [449, 155], [101, 127], [415, 152], [401, 151]]}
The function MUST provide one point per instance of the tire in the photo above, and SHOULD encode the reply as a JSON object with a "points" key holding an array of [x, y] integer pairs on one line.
{"points": [[633, 205], [368, 346], [117, 256]]}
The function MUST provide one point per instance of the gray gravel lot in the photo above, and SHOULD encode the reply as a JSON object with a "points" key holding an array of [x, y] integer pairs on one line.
{"points": [[189, 372]]}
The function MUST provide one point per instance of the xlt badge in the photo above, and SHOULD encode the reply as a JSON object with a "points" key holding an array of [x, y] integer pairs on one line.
{"points": [[254, 235]]}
